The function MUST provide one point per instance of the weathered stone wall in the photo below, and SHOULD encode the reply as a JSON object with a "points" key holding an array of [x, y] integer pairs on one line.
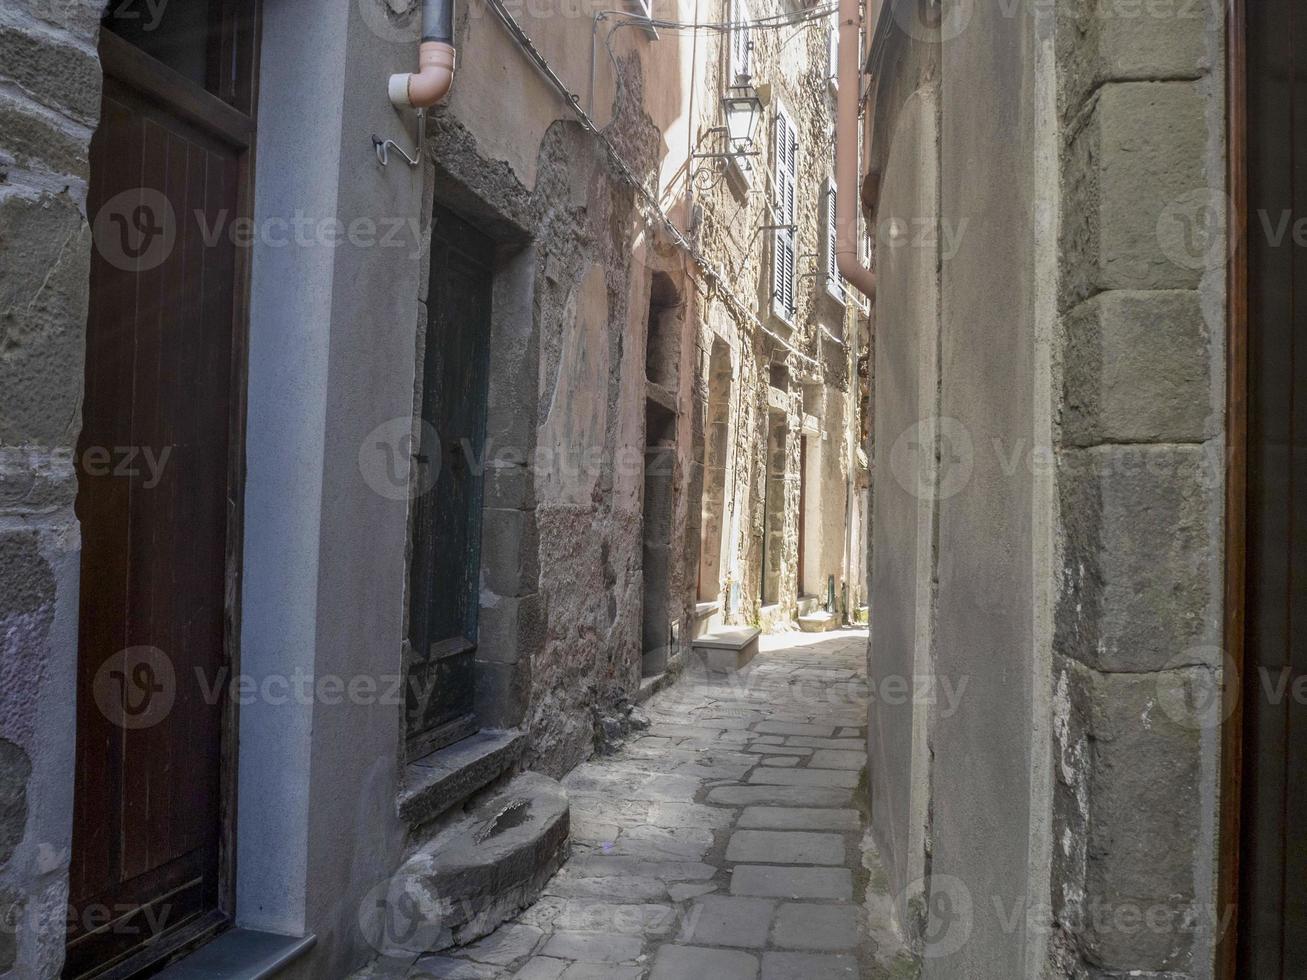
{"points": [[49, 104], [1140, 483], [561, 651], [816, 349]]}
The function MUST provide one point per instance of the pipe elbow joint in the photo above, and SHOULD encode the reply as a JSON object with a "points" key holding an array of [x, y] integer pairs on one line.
{"points": [[430, 83], [859, 276]]}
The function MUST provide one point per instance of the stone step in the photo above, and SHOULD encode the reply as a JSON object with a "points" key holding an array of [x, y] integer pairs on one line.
{"points": [[727, 650], [483, 869], [809, 604], [707, 618], [445, 778], [818, 622]]}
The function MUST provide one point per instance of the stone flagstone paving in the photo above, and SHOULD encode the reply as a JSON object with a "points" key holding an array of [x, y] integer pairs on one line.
{"points": [[727, 841]]}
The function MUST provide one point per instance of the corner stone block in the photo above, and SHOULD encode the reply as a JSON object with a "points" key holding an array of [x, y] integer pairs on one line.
{"points": [[509, 486], [11, 914], [15, 769], [62, 76], [80, 18], [510, 548], [503, 692], [1103, 41], [27, 587], [1139, 585], [40, 140], [1145, 811], [510, 629], [1137, 368], [44, 289], [1132, 174]]}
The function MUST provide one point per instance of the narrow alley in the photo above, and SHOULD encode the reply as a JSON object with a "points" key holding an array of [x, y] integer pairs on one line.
{"points": [[698, 489], [726, 840]]}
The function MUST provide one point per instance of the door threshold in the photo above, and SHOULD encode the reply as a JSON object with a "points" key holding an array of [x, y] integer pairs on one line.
{"points": [[240, 954]]}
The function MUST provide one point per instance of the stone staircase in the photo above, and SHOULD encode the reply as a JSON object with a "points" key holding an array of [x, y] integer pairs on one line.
{"points": [[480, 870], [486, 840]]}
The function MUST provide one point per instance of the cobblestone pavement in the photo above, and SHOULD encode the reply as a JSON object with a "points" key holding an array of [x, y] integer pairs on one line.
{"points": [[727, 841]]}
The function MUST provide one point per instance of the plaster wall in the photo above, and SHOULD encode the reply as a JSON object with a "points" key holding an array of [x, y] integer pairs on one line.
{"points": [[331, 372], [989, 195], [907, 393]]}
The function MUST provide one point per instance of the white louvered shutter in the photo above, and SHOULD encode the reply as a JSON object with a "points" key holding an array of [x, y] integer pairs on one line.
{"points": [[834, 281], [786, 152], [741, 69], [864, 255]]}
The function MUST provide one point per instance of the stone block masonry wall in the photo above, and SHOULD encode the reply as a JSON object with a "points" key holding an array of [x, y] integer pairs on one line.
{"points": [[1139, 470], [49, 104]]}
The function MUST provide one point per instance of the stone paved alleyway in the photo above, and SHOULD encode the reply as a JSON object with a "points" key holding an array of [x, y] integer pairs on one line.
{"points": [[726, 841]]}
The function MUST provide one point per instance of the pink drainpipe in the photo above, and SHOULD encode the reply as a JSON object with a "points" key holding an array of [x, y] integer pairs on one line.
{"points": [[430, 83], [849, 77]]}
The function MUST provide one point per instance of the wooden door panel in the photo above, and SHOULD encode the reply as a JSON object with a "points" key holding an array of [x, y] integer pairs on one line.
{"points": [[1273, 858], [158, 499], [446, 564]]}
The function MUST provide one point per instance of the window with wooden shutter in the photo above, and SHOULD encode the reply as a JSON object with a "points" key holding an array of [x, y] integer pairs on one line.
{"points": [[835, 284], [785, 151], [741, 69], [864, 256]]}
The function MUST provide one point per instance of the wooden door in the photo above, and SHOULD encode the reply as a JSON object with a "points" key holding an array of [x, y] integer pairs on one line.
{"points": [[445, 570], [159, 490], [1271, 183]]}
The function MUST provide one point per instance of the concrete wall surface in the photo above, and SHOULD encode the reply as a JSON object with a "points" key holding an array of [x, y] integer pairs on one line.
{"points": [[907, 391]]}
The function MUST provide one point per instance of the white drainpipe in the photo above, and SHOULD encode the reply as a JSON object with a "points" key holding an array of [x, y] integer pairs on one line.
{"points": [[849, 77], [430, 83]]}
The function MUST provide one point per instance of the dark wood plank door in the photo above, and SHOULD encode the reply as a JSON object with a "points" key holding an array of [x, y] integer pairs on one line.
{"points": [[159, 485], [1273, 860], [445, 570]]}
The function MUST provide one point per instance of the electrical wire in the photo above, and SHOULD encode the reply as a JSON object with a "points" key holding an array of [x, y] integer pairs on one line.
{"points": [[774, 22]]}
